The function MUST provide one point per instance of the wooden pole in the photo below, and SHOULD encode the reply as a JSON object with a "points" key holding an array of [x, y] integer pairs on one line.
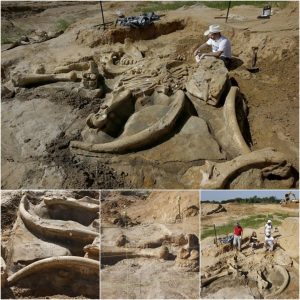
{"points": [[102, 15], [215, 235], [229, 2]]}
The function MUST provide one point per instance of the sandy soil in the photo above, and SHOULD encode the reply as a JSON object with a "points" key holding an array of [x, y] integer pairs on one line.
{"points": [[35, 153], [147, 277]]}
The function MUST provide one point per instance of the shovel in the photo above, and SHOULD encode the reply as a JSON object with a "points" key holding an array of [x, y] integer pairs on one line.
{"points": [[253, 68]]}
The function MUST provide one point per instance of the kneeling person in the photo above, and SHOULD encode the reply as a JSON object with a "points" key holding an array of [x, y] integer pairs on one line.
{"points": [[221, 47]]}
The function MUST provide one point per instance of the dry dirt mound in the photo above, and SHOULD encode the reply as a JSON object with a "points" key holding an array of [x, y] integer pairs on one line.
{"points": [[208, 209], [290, 229], [167, 207]]}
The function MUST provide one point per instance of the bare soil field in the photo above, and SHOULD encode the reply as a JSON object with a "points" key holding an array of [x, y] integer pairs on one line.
{"points": [[256, 273], [40, 123]]}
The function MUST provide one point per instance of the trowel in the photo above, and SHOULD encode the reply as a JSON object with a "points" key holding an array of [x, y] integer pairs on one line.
{"points": [[253, 68]]}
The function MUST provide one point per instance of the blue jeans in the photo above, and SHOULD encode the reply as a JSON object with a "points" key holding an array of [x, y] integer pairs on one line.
{"points": [[237, 240]]}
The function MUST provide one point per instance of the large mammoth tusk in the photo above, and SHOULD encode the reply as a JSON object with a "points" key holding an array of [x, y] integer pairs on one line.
{"points": [[217, 175], [141, 139], [66, 230]]}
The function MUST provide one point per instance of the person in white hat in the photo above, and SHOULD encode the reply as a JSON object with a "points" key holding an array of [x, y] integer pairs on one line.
{"points": [[221, 47], [268, 228]]}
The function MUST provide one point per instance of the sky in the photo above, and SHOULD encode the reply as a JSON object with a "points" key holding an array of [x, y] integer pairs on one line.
{"points": [[220, 195]]}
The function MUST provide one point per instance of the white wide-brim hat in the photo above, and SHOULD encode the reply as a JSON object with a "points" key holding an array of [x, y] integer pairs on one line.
{"points": [[213, 29]]}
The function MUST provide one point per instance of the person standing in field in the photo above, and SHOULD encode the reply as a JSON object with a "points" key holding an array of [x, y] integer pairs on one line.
{"points": [[237, 236]]}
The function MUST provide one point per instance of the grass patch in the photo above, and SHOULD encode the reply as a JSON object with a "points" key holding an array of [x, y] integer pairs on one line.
{"points": [[254, 221], [261, 4], [6, 39], [165, 6], [162, 6], [9, 37], [63, 24]]}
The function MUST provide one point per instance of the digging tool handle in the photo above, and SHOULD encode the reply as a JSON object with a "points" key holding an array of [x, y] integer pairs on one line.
{"points": [[102, 15], [254, 57], [215, 234], [229, 2]]}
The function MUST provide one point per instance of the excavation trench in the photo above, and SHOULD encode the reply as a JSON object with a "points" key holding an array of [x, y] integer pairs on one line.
{"points": [[151, 137]]}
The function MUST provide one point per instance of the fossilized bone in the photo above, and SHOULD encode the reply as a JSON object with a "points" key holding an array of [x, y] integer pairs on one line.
{"points": [[261, 283], [83, 266], [143, 138], [91, 78], [93, 250], [285, 283], [80, 66], [41, 36], [100, 119], [188, 256], [66, 230], [219, 209], [124, 253], [216, 272], [111, 69], [217, 175], [72, 203], [178, 240], [21, 80], [139, 86], [209, 81], [231, 123], [205, 282], [132, 50]]}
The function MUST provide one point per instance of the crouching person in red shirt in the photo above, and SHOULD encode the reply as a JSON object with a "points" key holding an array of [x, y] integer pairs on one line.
{"points": [[237, 236]]}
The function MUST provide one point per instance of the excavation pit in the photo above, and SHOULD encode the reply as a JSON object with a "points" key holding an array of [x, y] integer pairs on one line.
{"points": [[217, 134]]}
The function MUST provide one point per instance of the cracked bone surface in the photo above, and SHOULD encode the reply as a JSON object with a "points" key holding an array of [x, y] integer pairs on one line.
{"points": [[59, 272], [22, 80], [69, 230], [52, 233], [209, 82]]}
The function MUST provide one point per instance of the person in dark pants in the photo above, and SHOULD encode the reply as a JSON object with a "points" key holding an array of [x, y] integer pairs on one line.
{"points": [[237, 236], [221, 47]]}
